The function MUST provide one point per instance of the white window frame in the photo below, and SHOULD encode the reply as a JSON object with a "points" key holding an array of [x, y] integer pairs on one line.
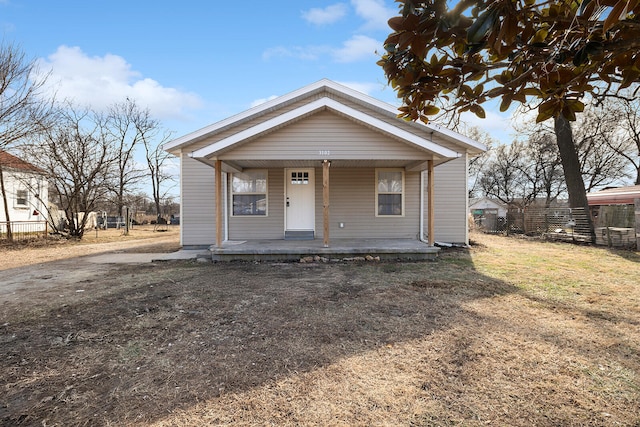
{"points": [[402, 193], [24, 205], [233, 193]]}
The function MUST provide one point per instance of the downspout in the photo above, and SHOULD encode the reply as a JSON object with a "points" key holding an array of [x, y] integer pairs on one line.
{"points": [[226, 206], [421, 236]]}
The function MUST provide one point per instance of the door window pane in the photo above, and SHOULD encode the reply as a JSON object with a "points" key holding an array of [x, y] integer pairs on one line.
{"points": [[299, 178]]}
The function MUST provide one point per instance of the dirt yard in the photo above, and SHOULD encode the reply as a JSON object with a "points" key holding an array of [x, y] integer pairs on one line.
{"points": [[511, 332], [140, 238]]}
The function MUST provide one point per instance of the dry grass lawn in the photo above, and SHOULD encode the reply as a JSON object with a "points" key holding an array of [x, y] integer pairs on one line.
{"points": [[510, 333], [45, 250]]}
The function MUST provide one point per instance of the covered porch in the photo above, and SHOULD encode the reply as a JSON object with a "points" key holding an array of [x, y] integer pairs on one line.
{"points": [[339, 250]]}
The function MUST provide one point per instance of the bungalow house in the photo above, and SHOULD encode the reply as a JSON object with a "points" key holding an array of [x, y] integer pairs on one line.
{"points": [[324, 163], [26, 190]]}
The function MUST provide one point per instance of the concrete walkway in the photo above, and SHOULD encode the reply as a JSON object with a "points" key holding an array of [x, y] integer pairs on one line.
{"points": [[142, 258]]}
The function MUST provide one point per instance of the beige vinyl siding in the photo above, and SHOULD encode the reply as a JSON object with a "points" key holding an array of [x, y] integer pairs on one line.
{"points": [[246, 124], [416, 128], [325, 135], [263, 227], [197, 203], [451, 201], [352, 201]]}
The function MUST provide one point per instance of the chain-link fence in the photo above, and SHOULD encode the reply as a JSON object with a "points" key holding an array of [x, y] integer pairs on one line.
{"points": [[571, 224], [614, 226]]}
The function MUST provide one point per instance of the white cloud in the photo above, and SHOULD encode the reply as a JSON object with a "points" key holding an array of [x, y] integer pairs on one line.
{"points": [[363, 87], [356, 48], [101, 81], [498, 125], [262, 100], [7, 27], [328, 15], [375, 13], [307, 53]]}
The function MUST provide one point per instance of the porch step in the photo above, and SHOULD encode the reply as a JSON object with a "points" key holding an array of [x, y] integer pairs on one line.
{"points": [[299, 235]]}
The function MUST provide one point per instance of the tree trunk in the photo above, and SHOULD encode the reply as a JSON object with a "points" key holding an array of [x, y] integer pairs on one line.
{"points": [[571, 167], [6, 207], [158, 207]]}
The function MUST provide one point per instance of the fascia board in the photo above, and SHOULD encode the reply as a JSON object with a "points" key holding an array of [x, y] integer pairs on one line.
{"points": [[366, 99], [318, 105], [459, 138], [255, 111], [258, 129], [392, 130]]}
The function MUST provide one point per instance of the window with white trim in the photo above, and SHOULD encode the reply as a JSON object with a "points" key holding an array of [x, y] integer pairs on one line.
{"points": [[389, 192], [249, 193], [22, 198]]}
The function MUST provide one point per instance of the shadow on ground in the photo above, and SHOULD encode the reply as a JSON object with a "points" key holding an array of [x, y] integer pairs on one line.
{"points": [[153, 339]]}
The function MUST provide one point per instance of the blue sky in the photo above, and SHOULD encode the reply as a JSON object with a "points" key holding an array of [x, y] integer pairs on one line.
{"points": [[197, 62]]}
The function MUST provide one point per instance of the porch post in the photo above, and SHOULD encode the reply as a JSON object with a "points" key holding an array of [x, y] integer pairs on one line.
{"points": [[218, 203], [431, 209], [325, 201]]}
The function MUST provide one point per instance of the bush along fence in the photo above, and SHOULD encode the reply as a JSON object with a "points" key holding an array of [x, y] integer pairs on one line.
{"points": [[24, 230]]}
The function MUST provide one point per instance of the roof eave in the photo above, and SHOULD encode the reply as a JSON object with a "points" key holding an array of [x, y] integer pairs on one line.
{"points": [[310, 108]]}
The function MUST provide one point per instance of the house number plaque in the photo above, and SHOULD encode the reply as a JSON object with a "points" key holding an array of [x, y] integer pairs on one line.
{"points": [[324, 152]]}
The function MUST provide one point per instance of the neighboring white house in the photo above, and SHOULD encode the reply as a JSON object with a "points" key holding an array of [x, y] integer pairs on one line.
{"points": [[480, 205], [27, 193], [322, 161]]}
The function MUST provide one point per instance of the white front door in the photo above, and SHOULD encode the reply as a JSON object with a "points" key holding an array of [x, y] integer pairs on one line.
{"points": [[300, 199]]}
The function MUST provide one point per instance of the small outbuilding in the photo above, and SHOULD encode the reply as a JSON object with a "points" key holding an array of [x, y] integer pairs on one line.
{"points": [[616, 215], [488, 214], [323, 164]]}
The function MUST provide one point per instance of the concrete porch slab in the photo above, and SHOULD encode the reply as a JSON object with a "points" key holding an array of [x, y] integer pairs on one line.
{"points": [[281, 250]]}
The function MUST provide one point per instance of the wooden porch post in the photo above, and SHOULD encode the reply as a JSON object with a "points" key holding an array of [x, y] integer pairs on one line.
{"points": [[218, 203], [325, 201], [431, 209]]}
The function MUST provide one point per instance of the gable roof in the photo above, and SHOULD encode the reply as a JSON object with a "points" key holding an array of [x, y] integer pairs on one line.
{"points": [[325, 95], [9, 161], [478, 200], [318, 105]]}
